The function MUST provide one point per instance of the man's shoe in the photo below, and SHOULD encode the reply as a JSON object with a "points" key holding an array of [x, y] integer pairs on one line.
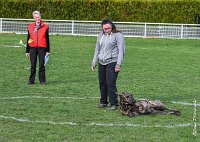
{"points": [[30, 83], [111, 108], [102, 105]]}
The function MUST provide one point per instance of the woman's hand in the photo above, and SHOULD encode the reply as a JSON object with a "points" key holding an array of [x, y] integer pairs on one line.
{"points": [[117, 69], [93, 68]]}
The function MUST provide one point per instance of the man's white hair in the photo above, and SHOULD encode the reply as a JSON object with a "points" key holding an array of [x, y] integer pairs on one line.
{"points": [[37, 13]]}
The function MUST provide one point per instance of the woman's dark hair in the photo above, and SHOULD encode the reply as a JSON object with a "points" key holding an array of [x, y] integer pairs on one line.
{"points": [[108, 21]]}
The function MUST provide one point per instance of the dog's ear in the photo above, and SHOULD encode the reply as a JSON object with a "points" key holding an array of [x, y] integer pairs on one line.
{"points": [[132, 95], [128, 94], [131, 98], [121, 94]]}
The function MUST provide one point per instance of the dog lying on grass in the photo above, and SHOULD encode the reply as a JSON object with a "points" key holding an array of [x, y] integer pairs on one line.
{"points": [[130, 107]]}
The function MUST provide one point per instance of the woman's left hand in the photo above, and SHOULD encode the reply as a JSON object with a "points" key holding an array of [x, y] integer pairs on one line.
{"points": [[117, 69]]}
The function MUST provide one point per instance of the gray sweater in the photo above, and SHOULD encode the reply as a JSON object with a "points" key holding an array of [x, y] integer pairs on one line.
{"points": [[109, 48]]}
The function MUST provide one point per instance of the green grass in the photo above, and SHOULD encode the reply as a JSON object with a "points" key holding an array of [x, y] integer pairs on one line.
{"points": [[163, 69]]}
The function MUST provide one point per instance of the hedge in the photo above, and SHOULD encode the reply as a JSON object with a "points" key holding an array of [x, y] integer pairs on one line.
{"points": [[159, 11]]}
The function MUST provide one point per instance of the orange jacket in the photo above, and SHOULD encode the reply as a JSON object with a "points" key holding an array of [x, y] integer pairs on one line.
{"points": [[38, 39]]}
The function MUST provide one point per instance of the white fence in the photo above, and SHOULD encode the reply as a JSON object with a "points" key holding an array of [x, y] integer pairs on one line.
{"points": [[92, 28]]}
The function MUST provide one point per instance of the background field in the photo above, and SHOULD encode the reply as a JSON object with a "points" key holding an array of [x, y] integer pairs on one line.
{"points": [[64, 109]]}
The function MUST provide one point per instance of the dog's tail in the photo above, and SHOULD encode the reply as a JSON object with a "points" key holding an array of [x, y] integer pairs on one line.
{"points": [[173, 111]]}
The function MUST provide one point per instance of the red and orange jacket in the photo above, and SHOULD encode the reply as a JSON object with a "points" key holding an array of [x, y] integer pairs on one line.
{"points": [[39, 38]]}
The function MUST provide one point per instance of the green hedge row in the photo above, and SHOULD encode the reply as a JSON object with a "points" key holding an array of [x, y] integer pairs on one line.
{"points": [[163, 11]]}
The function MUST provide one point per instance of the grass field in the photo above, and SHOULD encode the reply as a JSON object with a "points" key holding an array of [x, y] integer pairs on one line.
{"points": [[64, 110]]}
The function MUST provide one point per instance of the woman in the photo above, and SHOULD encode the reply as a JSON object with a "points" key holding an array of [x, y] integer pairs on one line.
{"points": [[109, 54], [37, 45]]}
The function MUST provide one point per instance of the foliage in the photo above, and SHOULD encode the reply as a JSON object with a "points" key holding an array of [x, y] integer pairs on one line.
{"points": [[162, 11]]}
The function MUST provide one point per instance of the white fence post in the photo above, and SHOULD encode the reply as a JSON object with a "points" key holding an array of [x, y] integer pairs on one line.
{"points": [[145, 30], [182, 31], [72, 27], [1, 25]]}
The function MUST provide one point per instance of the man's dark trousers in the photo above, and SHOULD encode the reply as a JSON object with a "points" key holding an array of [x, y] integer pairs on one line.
{"points": [[40, 52]]}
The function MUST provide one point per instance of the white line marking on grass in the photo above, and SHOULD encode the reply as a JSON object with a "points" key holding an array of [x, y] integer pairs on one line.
{"points": [[78, 98], [195, 119], [11, 46], [44, 122], [26, 68], [184, 103], [138, 125], [96, 124], [42, 97]]}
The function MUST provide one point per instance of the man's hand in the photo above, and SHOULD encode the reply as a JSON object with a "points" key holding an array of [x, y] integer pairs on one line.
{"points": [[47, 53], [27, 55]]}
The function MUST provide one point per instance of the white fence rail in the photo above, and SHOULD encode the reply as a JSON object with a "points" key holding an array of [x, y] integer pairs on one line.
{"points": [[92, 28]]}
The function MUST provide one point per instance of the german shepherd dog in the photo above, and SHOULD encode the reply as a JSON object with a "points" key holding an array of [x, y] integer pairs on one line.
{"points": [[130, 107]]}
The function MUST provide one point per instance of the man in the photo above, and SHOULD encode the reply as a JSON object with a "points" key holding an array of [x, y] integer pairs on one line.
{"points": [[37, 45]]}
